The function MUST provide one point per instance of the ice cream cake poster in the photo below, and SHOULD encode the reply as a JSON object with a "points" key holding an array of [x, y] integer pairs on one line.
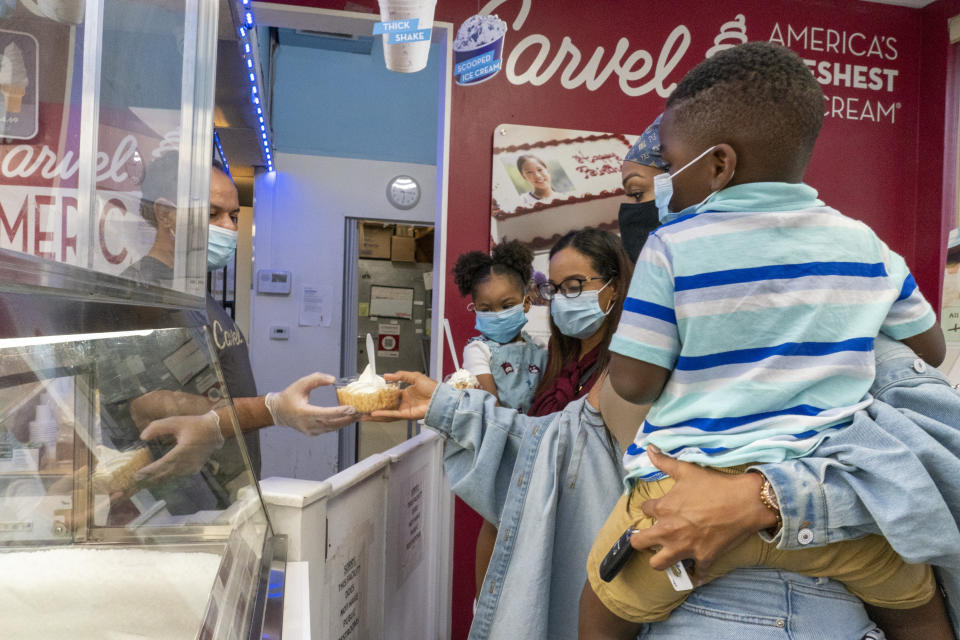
{"points": [[859, 72], [546, 182], [19, 56]]}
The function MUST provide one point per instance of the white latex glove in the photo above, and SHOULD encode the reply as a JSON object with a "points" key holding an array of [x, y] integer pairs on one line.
{"points": [[291, 407], [197, 438]]}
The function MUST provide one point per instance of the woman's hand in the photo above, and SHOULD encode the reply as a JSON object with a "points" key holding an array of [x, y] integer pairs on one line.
{"points": [[703, 514], [414, 400]]}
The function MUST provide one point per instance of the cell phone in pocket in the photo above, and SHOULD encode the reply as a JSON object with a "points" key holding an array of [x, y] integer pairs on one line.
{"points": [[617, 557], [621, 552]]}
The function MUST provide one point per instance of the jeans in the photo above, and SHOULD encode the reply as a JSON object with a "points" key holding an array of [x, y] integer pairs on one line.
{"points": [[762, 604]]}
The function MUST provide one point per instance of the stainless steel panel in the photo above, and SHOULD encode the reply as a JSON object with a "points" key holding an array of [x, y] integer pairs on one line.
{"points": [[413, 353]]}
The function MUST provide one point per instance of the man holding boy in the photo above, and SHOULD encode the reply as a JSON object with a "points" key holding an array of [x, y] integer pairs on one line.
{"points": [[750, 322]]}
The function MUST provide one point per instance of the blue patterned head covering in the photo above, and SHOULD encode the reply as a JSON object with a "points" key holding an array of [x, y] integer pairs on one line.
{"points": [[646, 150]]}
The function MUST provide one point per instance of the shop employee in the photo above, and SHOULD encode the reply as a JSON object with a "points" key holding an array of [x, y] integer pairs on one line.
{"points": [[197, 435]]}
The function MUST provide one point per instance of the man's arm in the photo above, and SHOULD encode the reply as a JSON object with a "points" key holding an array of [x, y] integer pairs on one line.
{"points": [[636, 381], [199, 430], [929, 345]]}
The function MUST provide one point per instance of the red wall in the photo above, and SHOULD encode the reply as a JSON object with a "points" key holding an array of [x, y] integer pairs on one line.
{"points": [[889, 173]]}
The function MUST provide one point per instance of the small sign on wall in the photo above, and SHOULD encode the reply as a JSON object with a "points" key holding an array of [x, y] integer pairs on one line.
{"points": [[388, 341], [391, 302], [19, 55]]}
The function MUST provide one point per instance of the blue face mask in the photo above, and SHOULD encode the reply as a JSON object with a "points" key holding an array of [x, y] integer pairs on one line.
{"points": [[663, 192], [579, 317], [501, 326], [221, 245]]}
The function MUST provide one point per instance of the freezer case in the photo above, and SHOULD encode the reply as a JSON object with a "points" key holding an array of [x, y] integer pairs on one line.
{"points": [[105, 535]]}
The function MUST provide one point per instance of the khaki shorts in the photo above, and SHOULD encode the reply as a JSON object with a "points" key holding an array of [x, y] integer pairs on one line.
{"points": [[869, 568]]}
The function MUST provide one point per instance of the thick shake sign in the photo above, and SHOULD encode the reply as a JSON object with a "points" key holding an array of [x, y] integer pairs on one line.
{"points": [[406, 29], [855, 69]]}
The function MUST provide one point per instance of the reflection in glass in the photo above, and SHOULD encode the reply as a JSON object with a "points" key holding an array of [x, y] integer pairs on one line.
{"points": [[75, 473]]}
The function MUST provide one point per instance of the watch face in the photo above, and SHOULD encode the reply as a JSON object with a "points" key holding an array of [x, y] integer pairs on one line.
{"points": [[403, 192]]}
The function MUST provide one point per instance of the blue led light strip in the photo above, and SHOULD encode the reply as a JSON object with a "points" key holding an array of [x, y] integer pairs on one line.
{"points": [[247, 22], [223, 156]]}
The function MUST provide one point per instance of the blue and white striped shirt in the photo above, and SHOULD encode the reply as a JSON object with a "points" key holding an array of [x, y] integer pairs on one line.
{"points": [[765, 308]]}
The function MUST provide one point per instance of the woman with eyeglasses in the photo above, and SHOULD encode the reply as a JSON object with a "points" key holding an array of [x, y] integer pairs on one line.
{"points": [[589, 273]]}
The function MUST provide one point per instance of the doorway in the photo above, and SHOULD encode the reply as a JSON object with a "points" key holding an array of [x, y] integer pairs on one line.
{"points": [[388, 286]]}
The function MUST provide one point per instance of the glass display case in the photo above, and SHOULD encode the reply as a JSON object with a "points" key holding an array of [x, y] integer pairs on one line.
{"points": [[106, 107], [104, 534], [128, 503]]}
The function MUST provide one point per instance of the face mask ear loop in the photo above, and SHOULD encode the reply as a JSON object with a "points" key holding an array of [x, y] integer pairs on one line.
{"points": [[612, 300], [471, 308]]}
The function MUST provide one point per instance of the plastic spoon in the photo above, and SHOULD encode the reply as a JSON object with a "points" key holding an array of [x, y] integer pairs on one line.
{"points": [[453, 350], [371, 359]]}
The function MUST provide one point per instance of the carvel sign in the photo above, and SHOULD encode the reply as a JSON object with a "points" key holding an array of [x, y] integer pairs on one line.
{"points": [[568, 65]]}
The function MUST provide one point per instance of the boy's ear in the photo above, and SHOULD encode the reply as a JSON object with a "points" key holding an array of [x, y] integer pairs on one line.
{"points": [[526, 303], [724, 163]]}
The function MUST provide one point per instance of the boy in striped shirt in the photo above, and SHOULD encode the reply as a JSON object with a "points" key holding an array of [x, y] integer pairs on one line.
{"points": [[749, 323]]}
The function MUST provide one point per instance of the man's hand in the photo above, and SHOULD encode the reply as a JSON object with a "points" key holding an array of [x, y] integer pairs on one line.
{"points": [[414, 400], [703, 514], [291, 407], [197, 438]]}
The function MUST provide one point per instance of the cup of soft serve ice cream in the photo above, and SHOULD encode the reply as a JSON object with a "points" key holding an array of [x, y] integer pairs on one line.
{"points": [[462, 379], [368, 392]]}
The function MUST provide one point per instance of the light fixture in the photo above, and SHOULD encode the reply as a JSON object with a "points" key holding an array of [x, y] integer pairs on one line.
{"points": [[247, 20]]}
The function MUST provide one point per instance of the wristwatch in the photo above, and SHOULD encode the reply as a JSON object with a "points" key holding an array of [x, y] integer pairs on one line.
{"points": [[769, 499]]}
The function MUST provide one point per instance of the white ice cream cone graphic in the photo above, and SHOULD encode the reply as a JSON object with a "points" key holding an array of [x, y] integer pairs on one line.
{"points": [[13, 78]]}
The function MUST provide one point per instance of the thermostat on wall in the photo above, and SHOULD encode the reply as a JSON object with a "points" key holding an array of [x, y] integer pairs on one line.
{"points": [[274, 282]]}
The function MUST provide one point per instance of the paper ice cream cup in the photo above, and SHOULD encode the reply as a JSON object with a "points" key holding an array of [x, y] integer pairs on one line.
{"points": [[13, 96], [407, 57], [475, 62]]}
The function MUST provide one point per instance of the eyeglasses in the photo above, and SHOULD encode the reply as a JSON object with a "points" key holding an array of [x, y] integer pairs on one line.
{"points": [[569, 288]]}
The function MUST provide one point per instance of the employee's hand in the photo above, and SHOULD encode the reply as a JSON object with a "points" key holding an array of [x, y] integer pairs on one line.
{"points": [[703, 514], [197, 437], [291, 407], [414, 399]]}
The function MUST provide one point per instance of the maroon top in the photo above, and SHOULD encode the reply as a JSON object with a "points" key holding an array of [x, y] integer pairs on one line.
{"points": [[574, 381]]}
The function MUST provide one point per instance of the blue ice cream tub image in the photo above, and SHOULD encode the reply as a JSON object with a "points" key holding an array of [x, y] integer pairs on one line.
{"points": [[478, 49]]}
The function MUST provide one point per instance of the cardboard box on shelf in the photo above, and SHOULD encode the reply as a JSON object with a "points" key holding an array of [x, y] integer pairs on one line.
{"points": [[403, 248], [375, 240], [424, 240]]}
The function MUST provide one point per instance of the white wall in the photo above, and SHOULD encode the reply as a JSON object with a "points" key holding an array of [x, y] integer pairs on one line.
{"points": [[299, 214]]}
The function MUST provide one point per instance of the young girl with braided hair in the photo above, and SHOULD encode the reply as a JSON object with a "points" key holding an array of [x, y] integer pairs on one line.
{"points": [[505, 360]]}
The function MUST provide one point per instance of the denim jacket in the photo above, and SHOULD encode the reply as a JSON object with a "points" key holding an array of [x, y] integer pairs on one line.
{"points": [[894, 471], [548, 483]]}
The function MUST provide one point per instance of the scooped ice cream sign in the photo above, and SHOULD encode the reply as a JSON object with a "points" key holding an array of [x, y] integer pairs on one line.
{"points": [[478, 49], [18, 85]]}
